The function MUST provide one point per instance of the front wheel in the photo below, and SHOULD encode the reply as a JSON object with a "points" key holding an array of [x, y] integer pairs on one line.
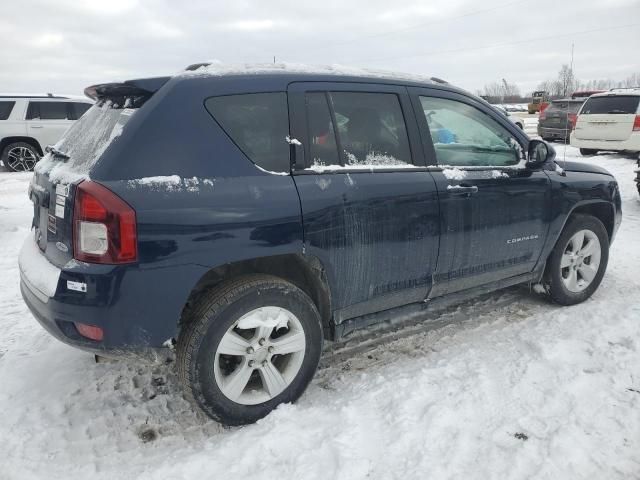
{"points": [[249, 346], [578, 261], [585, 152]]}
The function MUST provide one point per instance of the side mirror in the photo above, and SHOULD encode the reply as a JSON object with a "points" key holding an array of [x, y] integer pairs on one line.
{"points": [[539, 153]]}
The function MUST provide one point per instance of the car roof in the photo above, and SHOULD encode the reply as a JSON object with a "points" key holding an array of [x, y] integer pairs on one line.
{"points": [[310, 73], [632, 91]]}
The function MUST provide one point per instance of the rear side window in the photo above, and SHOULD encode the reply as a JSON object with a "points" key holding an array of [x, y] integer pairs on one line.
{"points": [[258, 123], [322, 138], [78, 109], [47, 111], [614, 104], [5, 109], [371, 129], [356, 129]]}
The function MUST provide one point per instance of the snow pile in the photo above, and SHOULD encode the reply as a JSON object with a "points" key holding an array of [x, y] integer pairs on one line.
{"points": [[454, 173], [171, 183], [371, 162]]}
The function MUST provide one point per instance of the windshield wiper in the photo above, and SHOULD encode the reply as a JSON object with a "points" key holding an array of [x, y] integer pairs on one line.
{"points": [[616, 111], [56, 153]]}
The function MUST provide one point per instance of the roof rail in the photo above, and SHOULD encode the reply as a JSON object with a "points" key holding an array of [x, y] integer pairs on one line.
{"points": [[439, 80], [623, 88], [35, 95]]}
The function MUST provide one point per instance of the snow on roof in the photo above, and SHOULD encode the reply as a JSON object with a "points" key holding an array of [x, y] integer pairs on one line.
{"points": [[216, 68]]}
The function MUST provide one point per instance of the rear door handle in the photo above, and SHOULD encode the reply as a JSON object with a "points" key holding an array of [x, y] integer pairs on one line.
{"points": [[36, 126], [462, 189]]}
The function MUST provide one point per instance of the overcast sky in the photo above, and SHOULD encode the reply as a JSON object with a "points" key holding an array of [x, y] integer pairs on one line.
{"points": [[64, 45]]}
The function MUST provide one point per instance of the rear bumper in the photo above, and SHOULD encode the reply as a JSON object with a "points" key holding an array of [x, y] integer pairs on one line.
{"points": [[138, 309], [631, 144], [547, 132]]}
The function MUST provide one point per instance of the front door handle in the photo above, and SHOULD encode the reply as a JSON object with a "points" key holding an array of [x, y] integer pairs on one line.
{"points": [[36, 126], [462, 189]]}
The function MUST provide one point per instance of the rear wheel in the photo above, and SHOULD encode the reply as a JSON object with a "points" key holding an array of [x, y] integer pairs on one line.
{"points": [[20, 157], [587, 152], [578, 261], [249, 346]]}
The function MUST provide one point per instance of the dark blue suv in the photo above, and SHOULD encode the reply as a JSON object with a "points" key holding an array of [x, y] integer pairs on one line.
{"points": [[244, 216]]}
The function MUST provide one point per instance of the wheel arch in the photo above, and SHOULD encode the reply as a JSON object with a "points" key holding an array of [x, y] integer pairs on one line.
{"points": [[30, 140], [603, 211], [304, 271]]}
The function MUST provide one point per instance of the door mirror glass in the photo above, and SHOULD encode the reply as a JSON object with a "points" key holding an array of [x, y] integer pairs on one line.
{"points": [[539, 153]]}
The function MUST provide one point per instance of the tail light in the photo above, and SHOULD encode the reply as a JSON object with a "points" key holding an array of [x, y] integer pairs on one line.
{"points": [[104, 226], [636, 124], [573, 118]]}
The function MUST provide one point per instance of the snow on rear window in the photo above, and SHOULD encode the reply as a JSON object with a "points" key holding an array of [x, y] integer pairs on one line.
{"points": [[84, 143]]}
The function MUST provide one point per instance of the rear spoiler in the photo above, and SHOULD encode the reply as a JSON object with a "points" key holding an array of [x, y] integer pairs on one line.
{"points": [[143, 87]]}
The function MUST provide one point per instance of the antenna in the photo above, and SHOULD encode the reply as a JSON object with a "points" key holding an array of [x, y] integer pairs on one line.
{"points": [[274, 59], [568, 133]]}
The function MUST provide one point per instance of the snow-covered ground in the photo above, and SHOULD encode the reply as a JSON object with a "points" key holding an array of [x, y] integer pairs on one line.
{"points": [[511, 388]]}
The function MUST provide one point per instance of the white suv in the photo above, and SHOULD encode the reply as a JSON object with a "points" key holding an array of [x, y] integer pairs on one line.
{"points": [[609, 121], [28, 123]]}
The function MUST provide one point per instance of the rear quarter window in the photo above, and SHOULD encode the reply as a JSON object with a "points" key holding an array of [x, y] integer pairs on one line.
{"points": [[5, 109], [614, 104], [258, 123]]}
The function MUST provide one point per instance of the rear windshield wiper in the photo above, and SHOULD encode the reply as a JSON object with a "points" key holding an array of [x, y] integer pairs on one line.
{"points": [[617, 111], [55, 152]]}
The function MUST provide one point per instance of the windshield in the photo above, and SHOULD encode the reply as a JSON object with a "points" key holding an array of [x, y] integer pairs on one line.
{"points": [[614, 104]]}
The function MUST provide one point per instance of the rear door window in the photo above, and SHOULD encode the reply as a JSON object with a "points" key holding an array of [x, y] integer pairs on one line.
{"points": [[258, 123], [614, 104], [47, 111], [322, 138], [371, 129], [5, 109]]}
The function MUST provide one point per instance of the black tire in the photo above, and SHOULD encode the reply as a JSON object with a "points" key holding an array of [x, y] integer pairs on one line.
{"points": [[209, 320], [13, 166], [553, 273], [585, 152]]}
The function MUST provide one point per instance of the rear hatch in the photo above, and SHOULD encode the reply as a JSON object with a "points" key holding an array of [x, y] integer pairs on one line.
{"points": [[69, 162], [609, 117], [556, 115]]}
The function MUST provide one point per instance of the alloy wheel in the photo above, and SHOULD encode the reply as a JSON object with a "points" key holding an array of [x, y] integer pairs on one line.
{"points": [[259, 355], [21, 159], [580, 261]]}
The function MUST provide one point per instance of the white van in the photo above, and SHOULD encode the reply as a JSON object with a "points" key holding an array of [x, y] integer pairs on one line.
{"points": [[609, 121]]}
